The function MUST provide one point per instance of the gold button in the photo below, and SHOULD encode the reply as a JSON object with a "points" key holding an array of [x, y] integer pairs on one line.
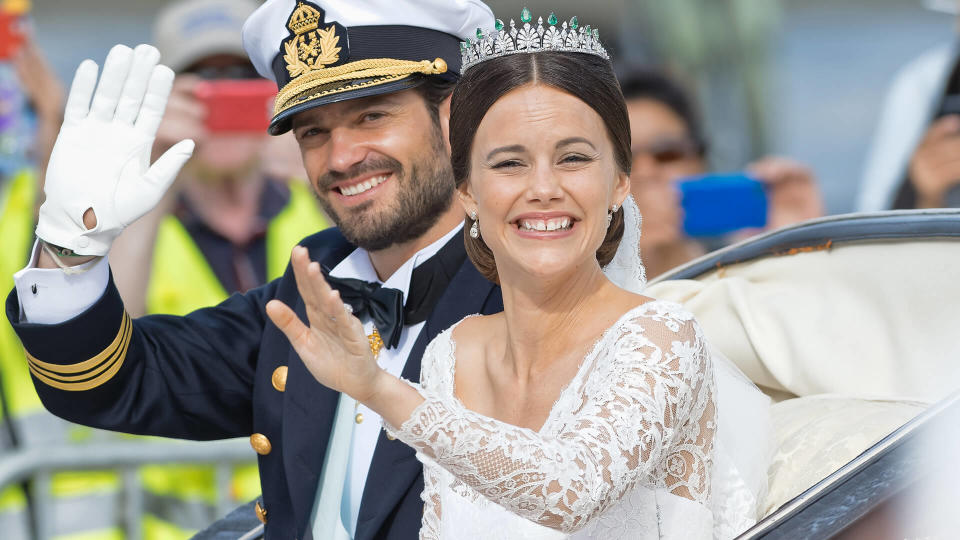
{"points": [[260, 443], [359, 418], [261, 512], [279, 378]]}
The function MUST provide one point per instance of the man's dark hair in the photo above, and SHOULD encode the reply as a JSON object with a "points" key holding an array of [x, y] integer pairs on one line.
{"points": [[434, 90], [584, 76], [657, 86]]}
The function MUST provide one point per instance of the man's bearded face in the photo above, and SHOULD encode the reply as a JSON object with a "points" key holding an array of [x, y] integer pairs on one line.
{"points": [[381, 169]]}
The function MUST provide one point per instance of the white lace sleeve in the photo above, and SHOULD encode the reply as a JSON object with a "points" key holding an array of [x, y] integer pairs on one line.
{"points": [[430, 526], [645, 415]]}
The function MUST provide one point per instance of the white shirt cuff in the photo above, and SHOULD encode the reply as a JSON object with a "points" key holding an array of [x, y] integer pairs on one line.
{"points": [[50, 296]]}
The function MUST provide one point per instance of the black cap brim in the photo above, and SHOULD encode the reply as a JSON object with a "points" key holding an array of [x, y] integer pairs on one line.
{"points": [[283, 121]]}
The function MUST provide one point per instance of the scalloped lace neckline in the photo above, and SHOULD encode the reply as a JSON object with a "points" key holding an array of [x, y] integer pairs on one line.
{"points": [[562, 396]]}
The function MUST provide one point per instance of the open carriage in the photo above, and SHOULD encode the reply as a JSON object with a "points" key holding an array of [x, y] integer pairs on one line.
{"points": [[851, 324]]}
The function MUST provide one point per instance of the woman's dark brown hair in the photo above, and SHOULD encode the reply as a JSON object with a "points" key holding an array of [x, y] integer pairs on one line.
{"points": [[584, 76]]}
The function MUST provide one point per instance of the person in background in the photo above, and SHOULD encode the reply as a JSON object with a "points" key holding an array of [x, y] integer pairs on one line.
{"points": [[79, 504], [46, 95], [228, 224], [914, 159], [668, 144]]}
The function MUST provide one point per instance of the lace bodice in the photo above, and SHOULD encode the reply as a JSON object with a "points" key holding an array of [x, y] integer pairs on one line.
{"points": [[638, 415]]}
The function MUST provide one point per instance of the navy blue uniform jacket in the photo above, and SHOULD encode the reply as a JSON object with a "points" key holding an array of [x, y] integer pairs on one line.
{"points": [[208, 376]]}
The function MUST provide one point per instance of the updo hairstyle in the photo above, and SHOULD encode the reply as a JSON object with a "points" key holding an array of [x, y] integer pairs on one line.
{"points": [[584, 76]]}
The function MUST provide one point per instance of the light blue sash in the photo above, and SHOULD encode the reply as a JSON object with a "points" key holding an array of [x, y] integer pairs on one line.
{"points": [[328, 523]]}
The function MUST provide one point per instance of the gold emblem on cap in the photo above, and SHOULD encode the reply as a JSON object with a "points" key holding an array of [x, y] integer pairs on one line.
{"points": [[311, 52], [311, 47]]}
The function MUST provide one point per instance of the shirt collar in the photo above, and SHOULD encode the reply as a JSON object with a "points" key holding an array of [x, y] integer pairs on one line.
{"points": [[357, 265]]}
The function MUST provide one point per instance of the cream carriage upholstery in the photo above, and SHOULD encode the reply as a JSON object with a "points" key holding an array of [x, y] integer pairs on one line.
{"points": [[851, 324]]}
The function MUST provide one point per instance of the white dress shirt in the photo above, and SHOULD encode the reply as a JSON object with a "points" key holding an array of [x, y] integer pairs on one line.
{"points": [[357, 265], [50, 296]]}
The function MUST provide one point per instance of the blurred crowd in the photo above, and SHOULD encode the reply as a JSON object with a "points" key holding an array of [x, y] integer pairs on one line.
{"points": [[243, 201]]}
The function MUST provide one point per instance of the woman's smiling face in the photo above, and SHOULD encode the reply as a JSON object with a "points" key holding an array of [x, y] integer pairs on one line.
{"points": [[542, 179]]}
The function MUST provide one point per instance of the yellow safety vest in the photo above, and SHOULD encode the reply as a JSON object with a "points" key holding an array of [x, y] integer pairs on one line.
{"points": [[16, 230], [186, 284], [80, 491], [16, 220], [182, 281]]}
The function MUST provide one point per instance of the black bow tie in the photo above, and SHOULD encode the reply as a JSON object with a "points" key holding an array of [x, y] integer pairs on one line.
{"points": [[382, 304], [385, 306]]}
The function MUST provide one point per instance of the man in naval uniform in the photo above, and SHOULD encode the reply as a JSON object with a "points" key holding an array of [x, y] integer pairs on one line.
{"points": [[365, 87]]}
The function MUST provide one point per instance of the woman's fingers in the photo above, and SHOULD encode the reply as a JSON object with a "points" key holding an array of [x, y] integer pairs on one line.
{"points": [[329, 299], [326, 311], [302, 272], [342, 317], [313, 287], [352, 327], [288, 323], [324, 307], [300, 260]]}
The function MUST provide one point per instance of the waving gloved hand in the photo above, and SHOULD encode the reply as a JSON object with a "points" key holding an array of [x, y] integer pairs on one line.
{"points": [[101, 160]]}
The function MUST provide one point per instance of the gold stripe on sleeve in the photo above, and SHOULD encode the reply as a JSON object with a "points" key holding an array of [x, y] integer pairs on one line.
{"points": [[82, 376], [86, 365], [103, 373]]}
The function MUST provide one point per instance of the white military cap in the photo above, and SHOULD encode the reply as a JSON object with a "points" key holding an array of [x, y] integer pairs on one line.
{"points": [[333, 50]]}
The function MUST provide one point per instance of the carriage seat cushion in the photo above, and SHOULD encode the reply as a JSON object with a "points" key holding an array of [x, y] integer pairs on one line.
{"points": [[816, 435]]}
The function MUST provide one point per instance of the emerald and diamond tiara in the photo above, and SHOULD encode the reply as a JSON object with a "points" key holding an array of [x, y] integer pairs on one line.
{"points": [[568, 37]]}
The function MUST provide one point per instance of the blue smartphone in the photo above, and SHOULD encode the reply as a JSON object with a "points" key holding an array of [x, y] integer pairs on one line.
{"points": [[716, 204]]}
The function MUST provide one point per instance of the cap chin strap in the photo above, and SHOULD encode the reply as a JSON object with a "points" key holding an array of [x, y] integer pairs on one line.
{"points": [[379, 69]]}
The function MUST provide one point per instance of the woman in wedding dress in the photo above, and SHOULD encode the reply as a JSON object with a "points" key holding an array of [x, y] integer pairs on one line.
{"points": [[584, 409]]}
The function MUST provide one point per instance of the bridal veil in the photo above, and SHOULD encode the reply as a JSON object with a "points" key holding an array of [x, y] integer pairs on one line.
{"points": [[743, 443]]}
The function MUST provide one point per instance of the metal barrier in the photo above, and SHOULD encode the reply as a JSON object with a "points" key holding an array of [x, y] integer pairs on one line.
{"points": [[241, 524], [37, 465]]}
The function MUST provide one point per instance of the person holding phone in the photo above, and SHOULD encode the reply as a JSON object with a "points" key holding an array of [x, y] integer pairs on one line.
{"points": [[912, 161], [229, 222], [669, 146]]}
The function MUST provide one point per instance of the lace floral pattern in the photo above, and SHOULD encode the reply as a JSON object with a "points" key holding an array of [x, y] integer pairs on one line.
{"points": [[639, 413]]}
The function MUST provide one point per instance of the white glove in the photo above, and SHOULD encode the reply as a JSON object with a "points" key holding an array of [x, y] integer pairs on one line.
{"points": [[101, 159]]}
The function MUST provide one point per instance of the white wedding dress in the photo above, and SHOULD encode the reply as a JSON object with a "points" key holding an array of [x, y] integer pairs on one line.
{"points": [[634, 447]]}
